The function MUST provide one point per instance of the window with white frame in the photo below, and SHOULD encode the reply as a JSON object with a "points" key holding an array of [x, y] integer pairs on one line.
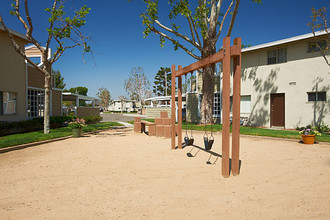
{"points": [[276, 56], [317, 96], [7, 103], [216, 105], [246, 104], [36, 100]]}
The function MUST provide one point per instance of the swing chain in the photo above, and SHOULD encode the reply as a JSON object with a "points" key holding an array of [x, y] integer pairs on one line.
{"points": [[186, 105]]}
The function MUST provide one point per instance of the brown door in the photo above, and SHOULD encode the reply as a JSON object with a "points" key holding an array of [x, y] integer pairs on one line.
{"points": [[277, 110]]}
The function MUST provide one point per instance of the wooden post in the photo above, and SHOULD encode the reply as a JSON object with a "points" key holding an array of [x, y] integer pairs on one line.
{"points": [[236, 111], [226, 107], [173, 109], [180, 110]]}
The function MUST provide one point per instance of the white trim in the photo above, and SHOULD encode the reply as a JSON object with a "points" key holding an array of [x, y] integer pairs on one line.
{"points": [[35, 88], [83, 97], [49, 56], [284, 41]]}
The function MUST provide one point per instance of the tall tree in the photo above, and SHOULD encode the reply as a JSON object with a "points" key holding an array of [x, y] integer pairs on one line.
{"points": [[138, 85], [81, 90], [63, 31], [105, 97], [205, 22], [320, 23], [59, 79], [163, 82]]}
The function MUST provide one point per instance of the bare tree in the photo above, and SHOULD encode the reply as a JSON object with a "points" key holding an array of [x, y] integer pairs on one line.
{"points": [[105, 97], [138, 85], [63, 31], [320, 23], [205, 22]]}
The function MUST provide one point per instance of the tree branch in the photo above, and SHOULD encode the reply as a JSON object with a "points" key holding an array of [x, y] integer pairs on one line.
{"points": [[51, 27], [231, 25], [26, 26], [17, 47], [315, 16], [28, 18], [195, 44], [175, 42], [204, 19], [224, 18], [195, 29], [191, 30]]}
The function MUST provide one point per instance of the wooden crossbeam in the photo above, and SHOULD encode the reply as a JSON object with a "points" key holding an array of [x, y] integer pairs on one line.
{"points": [[223, 56], [215, 58]]}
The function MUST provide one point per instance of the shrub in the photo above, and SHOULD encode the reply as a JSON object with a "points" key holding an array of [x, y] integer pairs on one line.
{"points": [[322, 127], [34, 124], [92, 119]]}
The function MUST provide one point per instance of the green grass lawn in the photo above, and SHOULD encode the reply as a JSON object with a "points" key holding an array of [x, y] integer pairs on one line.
{"points": [[17, 139], [255, 131]]}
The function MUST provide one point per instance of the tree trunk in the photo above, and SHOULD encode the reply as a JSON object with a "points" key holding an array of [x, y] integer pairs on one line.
{"points": [[207, 95], [208, 84], [47, 104]]}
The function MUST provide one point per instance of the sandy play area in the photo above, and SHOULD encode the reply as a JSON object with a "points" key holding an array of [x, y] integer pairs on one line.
{"points": [[119, 174]]}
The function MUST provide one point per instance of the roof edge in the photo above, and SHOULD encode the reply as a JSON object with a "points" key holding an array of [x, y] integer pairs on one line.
{"points": [[284, 41], [17, 34]]}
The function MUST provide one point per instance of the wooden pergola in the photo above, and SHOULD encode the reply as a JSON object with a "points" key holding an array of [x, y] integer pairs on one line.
{"points": [[223, 56]]}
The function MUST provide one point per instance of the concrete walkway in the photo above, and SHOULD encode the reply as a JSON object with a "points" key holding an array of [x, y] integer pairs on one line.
{"points": [[127, 125], [116, 117]]}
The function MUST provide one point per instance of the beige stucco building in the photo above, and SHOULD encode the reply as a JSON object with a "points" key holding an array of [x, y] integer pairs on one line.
{"points": [[284, 84], [12, 79], [21, 85]]}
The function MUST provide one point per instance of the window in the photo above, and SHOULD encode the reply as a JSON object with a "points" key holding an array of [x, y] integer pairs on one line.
{"points": [[7, 103], [317, 96], [313, 46], [246, 104], [36, 99], [216, 105], [276, 56]]}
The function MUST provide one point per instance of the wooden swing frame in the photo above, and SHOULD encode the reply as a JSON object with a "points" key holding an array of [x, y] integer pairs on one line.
{"points": [[223, 56]]}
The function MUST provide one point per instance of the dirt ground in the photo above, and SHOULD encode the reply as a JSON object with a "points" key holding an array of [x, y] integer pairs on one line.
{"points": [[119, 174]]}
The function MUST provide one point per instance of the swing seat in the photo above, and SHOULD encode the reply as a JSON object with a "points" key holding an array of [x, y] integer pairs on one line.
{"points": [[186, 140], [209, 145], [206, 142], [191, 141]]}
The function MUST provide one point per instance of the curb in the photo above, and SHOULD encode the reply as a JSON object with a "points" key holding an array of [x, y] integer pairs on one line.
{"points": [[23, 146]]}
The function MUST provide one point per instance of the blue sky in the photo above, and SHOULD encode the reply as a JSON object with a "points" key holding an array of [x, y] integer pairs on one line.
{"points": [[118, 43]]}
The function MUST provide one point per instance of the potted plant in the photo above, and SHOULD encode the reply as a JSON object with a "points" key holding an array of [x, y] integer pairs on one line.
{"points": [[308, 135], [76, 126]]}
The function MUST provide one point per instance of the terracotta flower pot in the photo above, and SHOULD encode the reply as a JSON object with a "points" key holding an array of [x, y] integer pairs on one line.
{"points": [[308, 139], [76, 132]]}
